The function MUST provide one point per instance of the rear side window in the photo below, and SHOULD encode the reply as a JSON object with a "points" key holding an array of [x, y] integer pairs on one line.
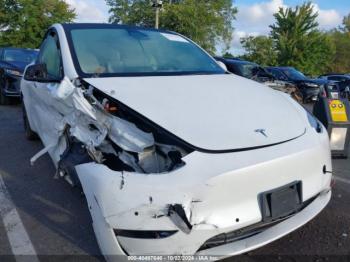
{"points": [[337, 78], [277, 74], [50, 55]]}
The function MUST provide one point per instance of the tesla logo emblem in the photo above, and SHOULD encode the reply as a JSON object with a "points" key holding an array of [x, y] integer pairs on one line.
{"points": [[261, 131]]}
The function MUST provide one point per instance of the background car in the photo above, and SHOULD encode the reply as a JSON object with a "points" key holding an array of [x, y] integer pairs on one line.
{"points": [[343, 82], [309, 88], [257, 73], [12, 64], [246, 69]]}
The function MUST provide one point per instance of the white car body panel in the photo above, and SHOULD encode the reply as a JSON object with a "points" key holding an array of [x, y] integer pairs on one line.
{"points": [[206, 115], [218, 191], [213, 202]]}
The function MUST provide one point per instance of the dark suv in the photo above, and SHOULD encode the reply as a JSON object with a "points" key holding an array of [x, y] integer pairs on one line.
{"points": [[343, 82], [12, 64], [246, 69], [309, 88]]}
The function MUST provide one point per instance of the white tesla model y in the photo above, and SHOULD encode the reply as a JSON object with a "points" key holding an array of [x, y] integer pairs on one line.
{"points": [[174, 155]]}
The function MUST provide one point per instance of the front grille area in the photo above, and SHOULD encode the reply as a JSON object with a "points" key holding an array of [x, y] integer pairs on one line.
{"points": [[249, 231]]}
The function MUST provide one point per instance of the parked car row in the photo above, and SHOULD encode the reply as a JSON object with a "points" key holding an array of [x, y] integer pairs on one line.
{"points": [[287, 79]]}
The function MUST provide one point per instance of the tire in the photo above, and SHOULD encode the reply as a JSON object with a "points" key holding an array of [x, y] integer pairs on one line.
{"points": [[29, 133], [4, 100]]}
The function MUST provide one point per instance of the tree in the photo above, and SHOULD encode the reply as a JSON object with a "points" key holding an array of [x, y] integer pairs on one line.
{"points": [[259, 49], [207, 22], [298, 41], [23, 23], [346, 23], [227, 55], [341, 40]]}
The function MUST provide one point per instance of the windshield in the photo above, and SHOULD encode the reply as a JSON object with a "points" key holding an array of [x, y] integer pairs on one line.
{"points": [[17, 55], [294, 74], [125, 51], [248, 70]]}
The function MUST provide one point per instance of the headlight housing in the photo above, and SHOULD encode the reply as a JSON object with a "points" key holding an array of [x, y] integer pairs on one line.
{"points": [[311, 85], [13, 72]]}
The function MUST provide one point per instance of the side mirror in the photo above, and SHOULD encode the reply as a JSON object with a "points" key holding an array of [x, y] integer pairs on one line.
{"points": [[38, 73], [222, 65]]}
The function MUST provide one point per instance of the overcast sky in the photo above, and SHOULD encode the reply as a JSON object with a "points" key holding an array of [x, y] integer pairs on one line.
{"points": [[253, 18]]}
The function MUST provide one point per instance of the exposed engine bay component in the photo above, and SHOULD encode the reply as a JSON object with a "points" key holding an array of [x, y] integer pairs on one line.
{"points": [[94, 130], [75, 154]]}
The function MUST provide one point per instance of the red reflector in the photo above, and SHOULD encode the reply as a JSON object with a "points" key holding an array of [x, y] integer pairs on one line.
{"points": [[332, 183]]}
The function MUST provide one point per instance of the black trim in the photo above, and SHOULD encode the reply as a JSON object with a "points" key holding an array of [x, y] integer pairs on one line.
{"points": [[272, 213], [144, 234], [181, 141]]}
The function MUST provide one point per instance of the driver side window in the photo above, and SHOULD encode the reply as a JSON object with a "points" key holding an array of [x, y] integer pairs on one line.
{"points": [[50, 55]]}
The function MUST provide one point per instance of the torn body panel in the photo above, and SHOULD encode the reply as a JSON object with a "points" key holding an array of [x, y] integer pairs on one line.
{"points": [[73, 112]]}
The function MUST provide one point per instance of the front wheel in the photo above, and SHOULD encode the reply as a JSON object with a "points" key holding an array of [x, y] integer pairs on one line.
{"points": [[4, 100], [29, 133]]}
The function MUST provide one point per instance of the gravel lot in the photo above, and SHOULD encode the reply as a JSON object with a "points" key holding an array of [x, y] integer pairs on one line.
{"points": [[58, 223]]}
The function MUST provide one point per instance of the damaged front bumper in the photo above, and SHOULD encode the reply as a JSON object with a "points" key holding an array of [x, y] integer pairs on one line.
{"points": [[177, 213]]}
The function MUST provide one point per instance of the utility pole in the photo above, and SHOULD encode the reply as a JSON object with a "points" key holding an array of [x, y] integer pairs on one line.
{"points": [[157, 4]]}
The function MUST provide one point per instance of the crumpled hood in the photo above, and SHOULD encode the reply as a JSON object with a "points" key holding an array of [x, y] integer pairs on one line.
{"points": [[211, 112]]}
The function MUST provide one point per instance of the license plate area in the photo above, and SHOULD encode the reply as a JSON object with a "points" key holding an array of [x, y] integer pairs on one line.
{"points": [[281, 202]]}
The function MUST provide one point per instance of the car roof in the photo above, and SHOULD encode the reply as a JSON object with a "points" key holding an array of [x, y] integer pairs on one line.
{"points": [[336, 74], [17, 48], [71, 26], [279, 67], [235, 60]]}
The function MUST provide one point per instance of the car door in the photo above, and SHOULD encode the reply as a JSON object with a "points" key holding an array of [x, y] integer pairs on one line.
{"points": [[41, 106]]}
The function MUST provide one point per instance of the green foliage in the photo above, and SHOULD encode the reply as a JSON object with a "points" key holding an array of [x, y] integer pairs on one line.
{"points": [[298, 41], [346, 23], [259, 49], [227, 55], [341, 41], [23, 23], [207, 22]]}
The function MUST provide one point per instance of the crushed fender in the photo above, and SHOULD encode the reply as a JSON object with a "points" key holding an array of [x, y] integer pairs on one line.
{"points": [[106, 134]]}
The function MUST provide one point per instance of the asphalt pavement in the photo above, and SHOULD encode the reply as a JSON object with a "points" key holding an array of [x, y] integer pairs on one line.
{"points": [[57, 222]]}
